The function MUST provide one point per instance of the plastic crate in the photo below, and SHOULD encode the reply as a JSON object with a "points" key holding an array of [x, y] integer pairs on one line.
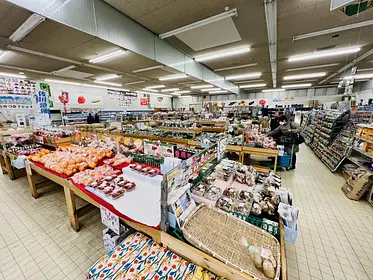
{"points": [[274, 230], [284, 160]]}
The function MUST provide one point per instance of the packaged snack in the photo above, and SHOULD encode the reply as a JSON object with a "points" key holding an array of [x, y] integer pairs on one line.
{"points": [[225, 203]]}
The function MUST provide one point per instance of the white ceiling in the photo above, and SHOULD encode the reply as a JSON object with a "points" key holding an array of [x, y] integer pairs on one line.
{"points": [[248, 29]]}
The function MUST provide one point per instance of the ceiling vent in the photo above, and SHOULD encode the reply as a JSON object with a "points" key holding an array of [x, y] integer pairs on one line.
{"points": [[328, 48]]}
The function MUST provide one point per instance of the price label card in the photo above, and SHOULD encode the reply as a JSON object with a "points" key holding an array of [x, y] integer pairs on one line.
{"points": [[109, 219]]}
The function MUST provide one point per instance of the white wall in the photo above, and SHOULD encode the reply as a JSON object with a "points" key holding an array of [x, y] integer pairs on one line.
{"points": [[108, 104]]}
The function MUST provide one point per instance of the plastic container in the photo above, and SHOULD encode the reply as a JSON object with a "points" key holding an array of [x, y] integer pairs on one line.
{"points": [[290, 234], [284, 160]]}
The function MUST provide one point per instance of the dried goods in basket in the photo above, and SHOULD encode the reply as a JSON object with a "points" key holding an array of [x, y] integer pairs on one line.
{"points": [[219, 234]]}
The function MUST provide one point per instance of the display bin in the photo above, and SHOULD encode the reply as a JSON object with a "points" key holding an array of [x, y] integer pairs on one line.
{"points": [[284, 160]]}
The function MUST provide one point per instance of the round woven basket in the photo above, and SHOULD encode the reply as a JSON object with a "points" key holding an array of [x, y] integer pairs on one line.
{"points": [[219, 234]]}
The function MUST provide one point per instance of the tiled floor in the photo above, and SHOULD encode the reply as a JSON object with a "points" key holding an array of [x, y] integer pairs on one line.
{"points": [[335, 241], [336, 234]]}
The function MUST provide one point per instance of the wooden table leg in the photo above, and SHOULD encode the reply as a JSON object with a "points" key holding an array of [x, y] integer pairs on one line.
{"points": [[275, 166], [8, 165], [242, 155], [71, 208], [31, 183]]}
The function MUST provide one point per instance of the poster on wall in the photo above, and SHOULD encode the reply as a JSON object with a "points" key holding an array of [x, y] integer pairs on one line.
{"points": [[11, 101], [124, 98], [77, 98], [144, 101], [46, 87], [17, 86]]}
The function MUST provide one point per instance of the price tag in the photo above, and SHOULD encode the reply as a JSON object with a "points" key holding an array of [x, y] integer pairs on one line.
{"points": [[28, 168], [109, 219], [41, 140]]}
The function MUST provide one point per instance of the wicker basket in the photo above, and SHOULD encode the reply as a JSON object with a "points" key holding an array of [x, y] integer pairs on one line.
{"points": [[219, 234]]}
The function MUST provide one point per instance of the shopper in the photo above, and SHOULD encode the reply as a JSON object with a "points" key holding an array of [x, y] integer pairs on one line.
{"points": [[90, 119], [97, 118], [287, 134]]}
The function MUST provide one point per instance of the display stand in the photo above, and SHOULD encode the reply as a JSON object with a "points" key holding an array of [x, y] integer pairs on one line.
{"points": [[260, 152]]}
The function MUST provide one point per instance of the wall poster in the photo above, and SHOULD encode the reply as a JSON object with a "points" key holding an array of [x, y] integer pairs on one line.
{"points": [[124, 98]]}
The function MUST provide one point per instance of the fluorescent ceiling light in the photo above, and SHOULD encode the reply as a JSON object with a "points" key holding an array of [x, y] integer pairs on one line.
{"points": [[360, 76], [365, 69], [304, 76], [314, 55], [3, 54], [273, 90], [222, 54], [210, 89], [175, 93], [63, 82], [157, 86], [108, 83], [236, 67], [108, 77], [312, 67], [13, 75], [187, 83], [26, 27], [173, 77], [244, 76], [21, 73], [303, 81], [201, 86], [149, 89], [106, 56], [333, 30], [64, 69], [169, 89], [96, 86], [253, 86], [218, 91], [147, 69], [134, 83], [297, 86], [200, 23], [183, 91], [185, 96], [144, 92], [249, 81]]}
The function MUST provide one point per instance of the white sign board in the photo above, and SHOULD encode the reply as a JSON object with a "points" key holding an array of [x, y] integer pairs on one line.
{"points": [[335, 4], [109, 219]]}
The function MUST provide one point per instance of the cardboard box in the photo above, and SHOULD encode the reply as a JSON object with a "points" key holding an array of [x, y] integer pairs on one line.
{"points": [[355, 188], [111, 239]]}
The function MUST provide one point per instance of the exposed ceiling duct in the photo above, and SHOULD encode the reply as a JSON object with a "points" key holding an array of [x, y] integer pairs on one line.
{"points": [[270, 8]]}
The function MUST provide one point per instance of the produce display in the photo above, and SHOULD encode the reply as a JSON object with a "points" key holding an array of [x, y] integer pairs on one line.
{"points": [[113, 186], [157, 133], [132, 146], [118, 160], [25, 150], [144, 169], [254, 138], [53, 133], [17, 140], [70, 159], [89, 176]]}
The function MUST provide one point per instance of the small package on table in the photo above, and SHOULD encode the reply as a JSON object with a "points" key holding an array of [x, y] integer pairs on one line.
{"points": [[112, 240]]}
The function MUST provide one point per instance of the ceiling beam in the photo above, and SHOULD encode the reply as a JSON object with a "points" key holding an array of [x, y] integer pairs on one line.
{"points": [[270, 10], [332, 30], [352, 63]]}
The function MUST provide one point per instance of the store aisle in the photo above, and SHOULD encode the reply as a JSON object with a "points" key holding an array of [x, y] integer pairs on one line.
{"points": [[36, 241], [335, 240]]}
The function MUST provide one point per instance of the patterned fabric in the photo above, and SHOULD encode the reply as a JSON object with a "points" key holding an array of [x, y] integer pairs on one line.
{"points": [[139, 257]]}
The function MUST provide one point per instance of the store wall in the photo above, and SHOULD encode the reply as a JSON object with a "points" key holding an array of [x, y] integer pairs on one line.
{"points": [[156, 101]]}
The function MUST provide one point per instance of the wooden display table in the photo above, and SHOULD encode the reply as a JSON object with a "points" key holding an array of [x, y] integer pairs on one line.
{"points": [[182, 249], [260, 152], [7, 168]]}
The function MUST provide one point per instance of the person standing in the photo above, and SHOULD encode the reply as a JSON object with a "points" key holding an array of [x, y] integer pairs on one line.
{"points": [[285, 135], [97, 118], [90, 119]]}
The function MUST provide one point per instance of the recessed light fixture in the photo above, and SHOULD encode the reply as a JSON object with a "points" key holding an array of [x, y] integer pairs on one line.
{"points": [[244, 76], [324, 54], [297, 86], [63, 82], [169, 89], [147, 69], [183, 91], [26, 27], [360, 76], [134, 83], [106, 56], [156, 86], [304, 76], [201, 86], [108, 83], [253, 86], [12, 75], [173, 77], [108, 77], [149, 89], [218, 91], [273, 90], [222, 54], [3, 54], [210, 89]]}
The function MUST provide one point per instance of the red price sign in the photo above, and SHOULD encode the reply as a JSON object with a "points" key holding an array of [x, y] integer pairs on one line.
{"points": [[143, 101]]}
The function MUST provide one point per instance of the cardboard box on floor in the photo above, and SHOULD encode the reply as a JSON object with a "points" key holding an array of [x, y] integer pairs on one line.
{"points": [[355, 188]]}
